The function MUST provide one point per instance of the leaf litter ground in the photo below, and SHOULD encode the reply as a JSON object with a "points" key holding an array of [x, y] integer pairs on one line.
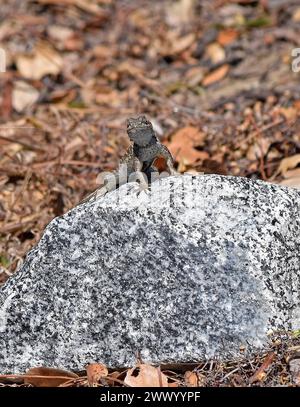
{"points": [[216, 79]]}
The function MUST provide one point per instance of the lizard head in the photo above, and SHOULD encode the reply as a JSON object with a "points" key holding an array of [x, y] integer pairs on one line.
{"points": [[140, 130]]}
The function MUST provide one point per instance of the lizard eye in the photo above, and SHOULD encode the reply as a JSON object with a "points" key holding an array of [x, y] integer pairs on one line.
{"points": [[144, 121], [130, 123]]}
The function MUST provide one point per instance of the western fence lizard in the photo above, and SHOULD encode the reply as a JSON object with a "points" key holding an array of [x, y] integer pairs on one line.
{"points": [[139, 161]]}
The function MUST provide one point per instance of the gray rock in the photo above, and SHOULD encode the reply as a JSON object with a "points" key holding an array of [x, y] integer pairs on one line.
{"points": [[194, 269]]}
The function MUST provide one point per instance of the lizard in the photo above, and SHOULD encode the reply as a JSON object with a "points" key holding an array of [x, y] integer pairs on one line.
{"points": [[139, 160]]}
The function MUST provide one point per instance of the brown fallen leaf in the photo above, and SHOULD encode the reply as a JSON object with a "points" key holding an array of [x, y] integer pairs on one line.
{"points": [[227, 36], [85, 5], [59, 32], [44, 60], [182, 43], [112, 98], [261, 373], [183, 145], [95, 371], [65, 38], [215, 52], [194, 76], [292, 182], [23, 96], [191, 379], [258, 149], [173, 384], [48, 377], [287, 164], [180, 12], [296, 104], [143, 375], [296, 15], [6, 104], [290, 113], [216, 75]]}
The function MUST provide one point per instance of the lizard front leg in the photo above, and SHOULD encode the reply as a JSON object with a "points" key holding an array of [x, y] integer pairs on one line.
{"points": [[165, 153], [138, 175]]}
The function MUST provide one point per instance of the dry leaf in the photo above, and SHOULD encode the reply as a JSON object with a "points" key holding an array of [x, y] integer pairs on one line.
{"points": [[258, 149], [145, 376], [139, 17], [173, 384], [292, 182], [183, 144], [288, 164], [226, 37], [23, 96], [215, 53], [290, 113], [85, 5], [216, 75], [102, 51], [43, 61], [112, 98], [191, 379], [180, 12], [65, 38], [261, 374], [129, 67], [48, 377], [194, 76], [182, 43], [95, 371], [59, 32], [296, 15], [293, 173], [6, 99]]}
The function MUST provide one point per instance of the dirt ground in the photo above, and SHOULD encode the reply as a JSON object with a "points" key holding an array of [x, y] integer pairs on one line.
{"points": [[218, 79]]}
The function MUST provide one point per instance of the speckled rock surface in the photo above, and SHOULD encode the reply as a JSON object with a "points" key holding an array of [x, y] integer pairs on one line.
{"points": [[194, 269]]}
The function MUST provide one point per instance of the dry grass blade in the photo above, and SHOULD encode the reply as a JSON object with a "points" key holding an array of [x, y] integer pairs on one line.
{"points": [[15, 226], [22, 143], [80, 381]]}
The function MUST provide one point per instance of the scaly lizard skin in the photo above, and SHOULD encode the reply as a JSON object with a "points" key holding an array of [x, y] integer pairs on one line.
{"points": [[138, 162]]}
